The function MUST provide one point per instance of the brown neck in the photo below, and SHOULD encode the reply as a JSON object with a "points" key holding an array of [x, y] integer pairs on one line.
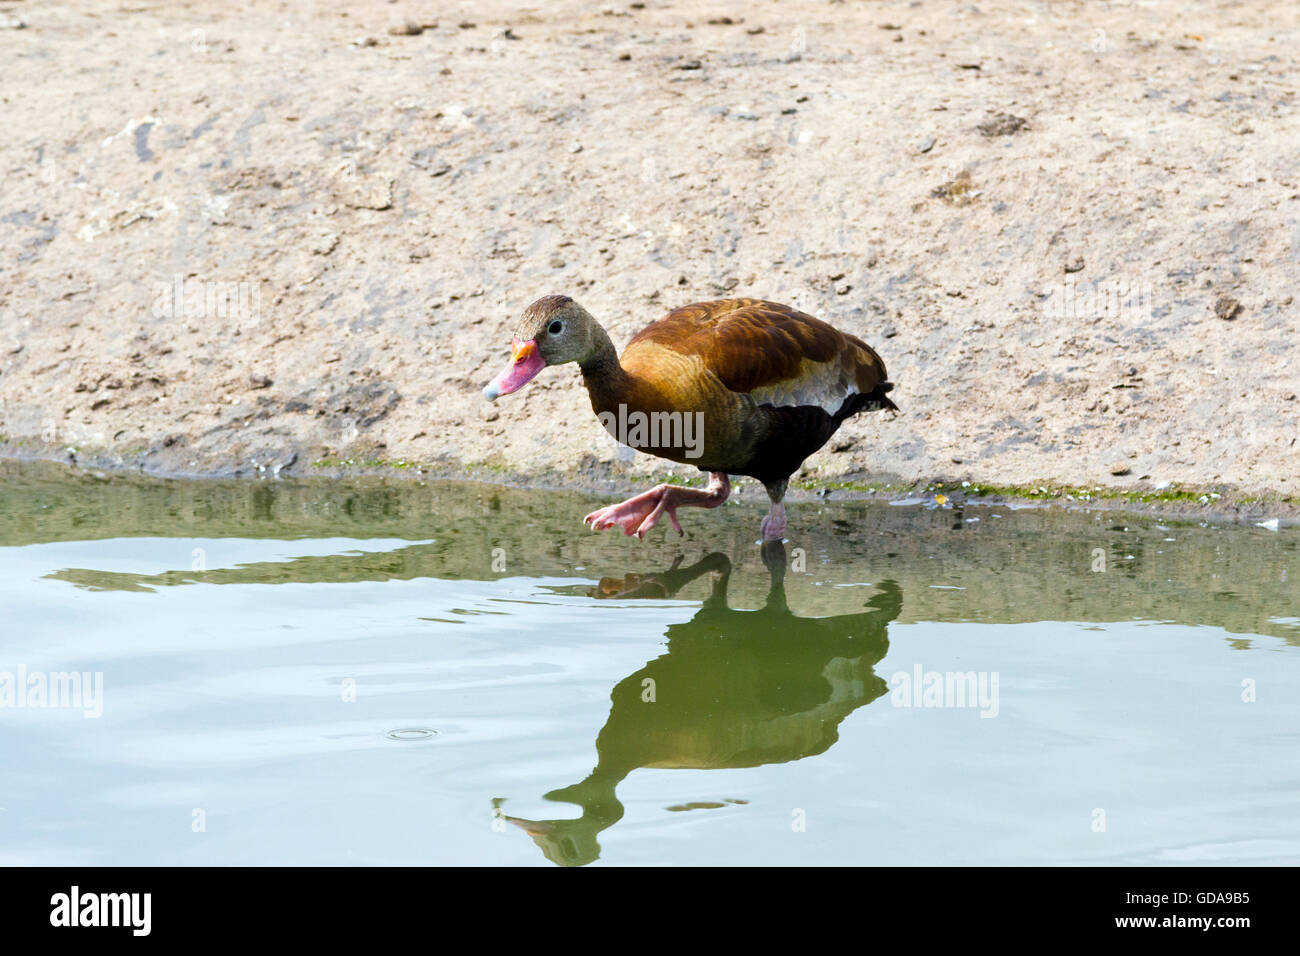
{"points": [[602, 372]]}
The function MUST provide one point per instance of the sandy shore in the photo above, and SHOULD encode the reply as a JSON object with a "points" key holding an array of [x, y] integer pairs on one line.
{"points": [[275, 240]]}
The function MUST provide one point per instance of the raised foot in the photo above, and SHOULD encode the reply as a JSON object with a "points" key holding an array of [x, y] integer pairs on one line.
{"points": [[638, 515]]}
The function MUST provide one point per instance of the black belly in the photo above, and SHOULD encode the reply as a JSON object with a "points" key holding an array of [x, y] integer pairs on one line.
{"points": [[791, 435], [784, 437]]}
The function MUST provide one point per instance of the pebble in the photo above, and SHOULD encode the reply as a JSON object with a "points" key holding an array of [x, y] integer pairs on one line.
{"points": [[1003, 124], [1227, 308], [1119, 468]]}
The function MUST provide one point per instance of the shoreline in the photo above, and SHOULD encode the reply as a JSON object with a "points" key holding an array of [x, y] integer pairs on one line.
{"points": [[1220, 503]]}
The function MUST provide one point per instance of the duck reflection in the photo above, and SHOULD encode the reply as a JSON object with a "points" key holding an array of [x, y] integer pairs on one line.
{"points": [[735, 689]]}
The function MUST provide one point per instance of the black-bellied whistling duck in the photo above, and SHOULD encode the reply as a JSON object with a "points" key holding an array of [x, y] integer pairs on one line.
{"points": [[734, 387]]}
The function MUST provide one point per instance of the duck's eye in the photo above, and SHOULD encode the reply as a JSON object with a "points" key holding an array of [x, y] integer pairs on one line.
{"points": [[555, 328]]}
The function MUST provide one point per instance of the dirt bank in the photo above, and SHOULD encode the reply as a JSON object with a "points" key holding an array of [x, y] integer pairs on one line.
{"points": [[267, 239]]}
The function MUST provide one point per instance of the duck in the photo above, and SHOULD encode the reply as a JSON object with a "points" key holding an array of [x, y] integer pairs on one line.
{"points": [[734, 387]]}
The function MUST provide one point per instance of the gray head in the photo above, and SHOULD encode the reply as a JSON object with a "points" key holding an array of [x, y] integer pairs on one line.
{"points": [[553, 330]]}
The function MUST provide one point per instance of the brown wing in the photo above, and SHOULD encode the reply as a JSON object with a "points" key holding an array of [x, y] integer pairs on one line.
{"points": [[770, 352]]}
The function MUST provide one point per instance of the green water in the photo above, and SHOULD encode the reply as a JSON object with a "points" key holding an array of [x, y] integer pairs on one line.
{"points": [[361, 672]]}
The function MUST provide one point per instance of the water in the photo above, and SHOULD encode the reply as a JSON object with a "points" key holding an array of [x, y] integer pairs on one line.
{"points": [[316, 672]]}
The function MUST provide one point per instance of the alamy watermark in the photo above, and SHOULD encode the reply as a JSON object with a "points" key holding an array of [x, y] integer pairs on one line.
{"points": [[202, 299], [1116, 299], [36, 690], [946, 689], [637, 429], [77, 908]]}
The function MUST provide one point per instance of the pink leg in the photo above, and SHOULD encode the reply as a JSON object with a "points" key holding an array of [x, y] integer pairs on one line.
{"points": [[638, 515], [774, 524]]}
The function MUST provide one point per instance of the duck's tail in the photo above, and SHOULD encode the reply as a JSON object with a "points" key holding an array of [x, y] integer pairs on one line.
{"points": [[875, 400]]}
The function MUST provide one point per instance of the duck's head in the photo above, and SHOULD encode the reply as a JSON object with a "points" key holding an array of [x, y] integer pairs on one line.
{"points": [[552, 331]]}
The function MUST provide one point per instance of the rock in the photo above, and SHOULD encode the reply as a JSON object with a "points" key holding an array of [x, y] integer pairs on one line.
{"points": [[1075, 265], [284, 463], [927, 144], [408, 29], [361, 191], [958, 191], [1227, 308], [1119, 468], [361, 405], [259, 381], [323, 242], [1003, 124]]}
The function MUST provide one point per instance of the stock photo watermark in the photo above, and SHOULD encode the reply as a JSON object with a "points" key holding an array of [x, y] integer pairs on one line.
{"points": [[128, 910], [22, 689], [1105, 298], [640, 430], [973, 690], [182, 298]]}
